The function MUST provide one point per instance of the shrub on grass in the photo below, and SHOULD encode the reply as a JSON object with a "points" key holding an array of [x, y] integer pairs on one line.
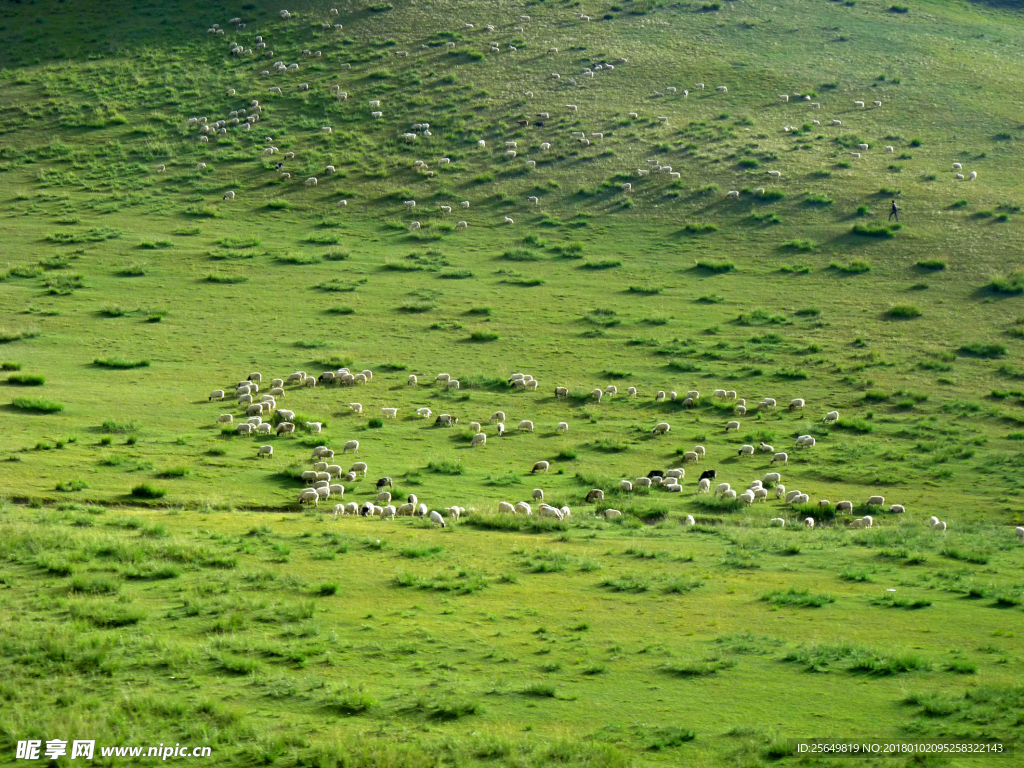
{"points": [[873, 230], [222, 279], [119, 363], [933, 265], [902, 312], [1010, 285], [987, 351], [26, 380], [37, 405], [483, 336], [799, 245], [714, 267], [146, 491], [856, 267]]}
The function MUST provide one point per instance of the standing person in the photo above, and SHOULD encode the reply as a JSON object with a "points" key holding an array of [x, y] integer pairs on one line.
{"points": [[894, 212]]}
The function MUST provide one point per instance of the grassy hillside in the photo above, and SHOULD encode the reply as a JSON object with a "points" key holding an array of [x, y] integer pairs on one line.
{"points": [[128, 293]]}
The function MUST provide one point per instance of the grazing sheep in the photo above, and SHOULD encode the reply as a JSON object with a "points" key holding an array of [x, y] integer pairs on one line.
{"points": [[897, 509], [265, 450], [351, 445], [595, 494], [876, 501], [729, 495], [733, 194], [540, 466], [772, 477], [765, 448], [837, 122], [217, 394], [780, 491], [522, 508], [309, 495], [720, 488], [831, 417], [805, 441], [478, 439], [436, 519], [746, 450], [777, 521], [783, 457], [690, 457], [972, 176], [1020, 533], [597, 394], [858, 103], [795, 403], [562, 427], [703, 486], [732, 425], [661, 428], [285, 427], [939, 526], [747, 497], [844, 506], [677, 474]]}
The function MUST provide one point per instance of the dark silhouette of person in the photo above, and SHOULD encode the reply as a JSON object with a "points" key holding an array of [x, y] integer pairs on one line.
{"points": [[894, 212]]}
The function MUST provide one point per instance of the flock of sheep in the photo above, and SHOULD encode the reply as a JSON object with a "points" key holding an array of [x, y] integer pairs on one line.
{"points": [[324, 480], [245, 118]]}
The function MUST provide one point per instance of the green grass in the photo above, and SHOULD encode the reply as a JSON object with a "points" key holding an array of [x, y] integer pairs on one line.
{"points": [[218, 635]]}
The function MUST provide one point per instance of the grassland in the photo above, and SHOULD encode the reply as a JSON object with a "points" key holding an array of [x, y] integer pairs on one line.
{"points": [[151, 544]]}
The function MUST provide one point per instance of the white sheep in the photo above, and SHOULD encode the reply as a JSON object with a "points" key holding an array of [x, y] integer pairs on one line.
{"points": [[540, 466], [733, 194], [795, 403], [972, 176], [436, 519], [389, 413], [957, 167], [875, 501], [625, 486], [844, 506], [831, 417], [1020, 532], [729, 495], [508, 220], [597, 394], [783, 457], [732, 425], [721, 488], [526, 425], [703, 485], [939, 526], [562, 427], [746, 450], [777, 521], [661, 428], [351, 445]]}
